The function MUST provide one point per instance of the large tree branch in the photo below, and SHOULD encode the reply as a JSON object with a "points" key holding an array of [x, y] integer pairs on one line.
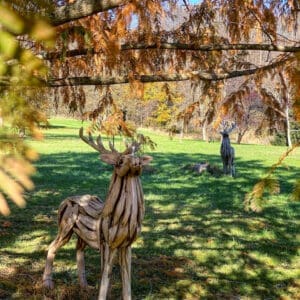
{"points": [[80, 9], [180, 46], [211, 47], [201, 75]]}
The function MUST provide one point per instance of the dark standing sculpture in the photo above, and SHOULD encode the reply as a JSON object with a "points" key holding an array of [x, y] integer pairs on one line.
{"points": [[227, 152]]}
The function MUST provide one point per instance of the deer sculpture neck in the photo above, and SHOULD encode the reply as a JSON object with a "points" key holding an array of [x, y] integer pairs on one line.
{"points": [[225, 146], [123, 212]]}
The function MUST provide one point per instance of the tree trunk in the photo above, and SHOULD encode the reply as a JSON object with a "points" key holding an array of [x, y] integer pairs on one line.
{"points": [[287, 128], [186, 125], [80, 9], [204, 135], [240, 136], [182, 130]]}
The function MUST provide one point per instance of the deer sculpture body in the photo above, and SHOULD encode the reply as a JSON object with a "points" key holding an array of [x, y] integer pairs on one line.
{"points": [[109, 227], [227, 152]]}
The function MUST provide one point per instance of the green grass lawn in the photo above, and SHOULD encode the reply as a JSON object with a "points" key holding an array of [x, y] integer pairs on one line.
{"points": [[197, 241]]}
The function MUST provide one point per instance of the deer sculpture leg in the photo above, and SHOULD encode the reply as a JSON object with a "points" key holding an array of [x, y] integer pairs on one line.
{"points": [[59, 241], [224, 167], [232, 171], [125, 264], [81, 263], [109, 255]]}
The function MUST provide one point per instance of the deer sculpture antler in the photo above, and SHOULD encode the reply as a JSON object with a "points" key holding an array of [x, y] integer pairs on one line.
{"points": [[227, 127], [97, 146], [110, 227], [130, 148]]}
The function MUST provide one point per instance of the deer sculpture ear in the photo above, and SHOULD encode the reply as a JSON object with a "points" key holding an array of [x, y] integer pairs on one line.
{"points": [[146, 160], [109, 158]]}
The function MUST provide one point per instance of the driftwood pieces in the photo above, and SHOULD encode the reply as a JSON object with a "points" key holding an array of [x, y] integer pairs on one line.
{"points": [[203, 168], [79, 214], [110, 227]]}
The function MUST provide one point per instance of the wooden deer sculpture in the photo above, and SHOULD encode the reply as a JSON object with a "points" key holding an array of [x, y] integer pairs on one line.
{"points": [[109, 227], [227, 152]]}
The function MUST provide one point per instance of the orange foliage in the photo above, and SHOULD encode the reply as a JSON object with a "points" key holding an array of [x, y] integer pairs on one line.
{"points": [[136, 22]]}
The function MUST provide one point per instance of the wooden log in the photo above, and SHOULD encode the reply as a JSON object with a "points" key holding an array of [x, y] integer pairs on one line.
{"points": [[141, 206], [120, 208], [85, 232], [112, 233], [109, 255], [120, 237], [127, 211], [112, 197], [91, 211], [134, 209], [92, 243], [82, 211], [125, 263], [85, 202], [105, 227], [88, 222], [68, 219], [96, 203]]}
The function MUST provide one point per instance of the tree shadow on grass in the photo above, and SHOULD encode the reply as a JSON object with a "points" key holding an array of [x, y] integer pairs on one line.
{"points": [[233, 253], [197, 240]]}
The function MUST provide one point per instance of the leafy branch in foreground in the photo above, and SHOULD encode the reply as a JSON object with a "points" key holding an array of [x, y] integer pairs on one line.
{"points": [[296, 191], [255, 199], [19, 108], [14, 178]]}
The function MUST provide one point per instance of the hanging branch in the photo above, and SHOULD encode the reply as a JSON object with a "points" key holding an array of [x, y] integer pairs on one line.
{"points": [[177, 46], [201, 75]]}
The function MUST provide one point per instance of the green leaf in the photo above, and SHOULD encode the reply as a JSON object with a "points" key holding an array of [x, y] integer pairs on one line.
{"points": [[8, 45], [296, 191], [10, 20], [30, 61], [3, 66]]}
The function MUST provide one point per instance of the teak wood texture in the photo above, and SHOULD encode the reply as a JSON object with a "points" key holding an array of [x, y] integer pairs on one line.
{"points": [[111, 226]]}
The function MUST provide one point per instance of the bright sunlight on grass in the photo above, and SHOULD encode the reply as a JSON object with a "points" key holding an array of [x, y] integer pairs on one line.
{"points": [[197, 241]]}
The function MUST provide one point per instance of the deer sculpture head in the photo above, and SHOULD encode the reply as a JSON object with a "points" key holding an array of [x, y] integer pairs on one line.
{"points": [[126, 162], [227, 128], [226, 151]]}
